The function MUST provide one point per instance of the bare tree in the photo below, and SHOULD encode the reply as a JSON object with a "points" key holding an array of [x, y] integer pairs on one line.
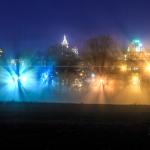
{"points": [[99, 53]]}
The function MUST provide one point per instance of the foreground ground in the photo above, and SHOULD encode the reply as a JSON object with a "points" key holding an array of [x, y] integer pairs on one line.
{"points": [[45, 126]]}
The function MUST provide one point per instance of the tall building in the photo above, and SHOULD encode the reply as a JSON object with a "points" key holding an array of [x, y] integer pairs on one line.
{"points": [[65, 42]]}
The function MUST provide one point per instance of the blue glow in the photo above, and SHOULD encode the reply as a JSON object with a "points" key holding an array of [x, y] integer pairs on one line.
{"points": [[18, 80], [13, 80], [23, 82], [47, 76], [138, 45]]}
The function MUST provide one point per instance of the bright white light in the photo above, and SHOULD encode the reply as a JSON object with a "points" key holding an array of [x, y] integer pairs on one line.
{"points": [[13, 80], [65, 42], [23, 79], [93, 75]]}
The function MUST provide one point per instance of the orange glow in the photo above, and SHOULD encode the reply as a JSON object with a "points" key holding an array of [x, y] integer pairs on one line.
{"points": [[135, 80], [135, 83], [81, 74], [123, 68], [147, 68], [102, 83], [100, 87]]}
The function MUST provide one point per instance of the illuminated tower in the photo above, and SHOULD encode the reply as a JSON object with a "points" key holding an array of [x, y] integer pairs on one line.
{"points": [[65, 42]]}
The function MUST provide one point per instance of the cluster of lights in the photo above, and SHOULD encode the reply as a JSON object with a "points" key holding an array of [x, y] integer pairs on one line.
{"points": [[19, 77], [23, 77], [77, 84], [136, 45], [145, 68], [47, 78]]}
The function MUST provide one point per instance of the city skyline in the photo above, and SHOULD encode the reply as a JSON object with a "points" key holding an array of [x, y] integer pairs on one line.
{"points": [[28, 24]]}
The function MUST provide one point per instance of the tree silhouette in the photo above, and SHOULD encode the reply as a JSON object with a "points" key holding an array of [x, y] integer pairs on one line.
{"points": [[99, 53]]}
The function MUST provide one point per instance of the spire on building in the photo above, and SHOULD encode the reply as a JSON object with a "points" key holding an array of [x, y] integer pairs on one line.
{"points": [[65, 42]]}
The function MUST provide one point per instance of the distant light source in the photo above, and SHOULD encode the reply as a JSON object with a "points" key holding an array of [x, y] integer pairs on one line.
{"points": [[81, 74], [23, 79], [14, 79], [93, 75], [135, 80], [123, 68], [101, 81]]}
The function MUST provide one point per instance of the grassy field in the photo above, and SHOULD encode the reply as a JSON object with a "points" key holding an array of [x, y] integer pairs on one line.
{"points": [[45, 126]]}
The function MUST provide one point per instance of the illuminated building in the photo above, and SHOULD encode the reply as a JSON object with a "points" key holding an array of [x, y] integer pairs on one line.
{"points": [[75, 50], [136, 51], [134, 59], [136, 46], [65, 44]]}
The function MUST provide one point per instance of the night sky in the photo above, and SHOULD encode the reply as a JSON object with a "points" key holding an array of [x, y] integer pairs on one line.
{"points": [[36, 24]]}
